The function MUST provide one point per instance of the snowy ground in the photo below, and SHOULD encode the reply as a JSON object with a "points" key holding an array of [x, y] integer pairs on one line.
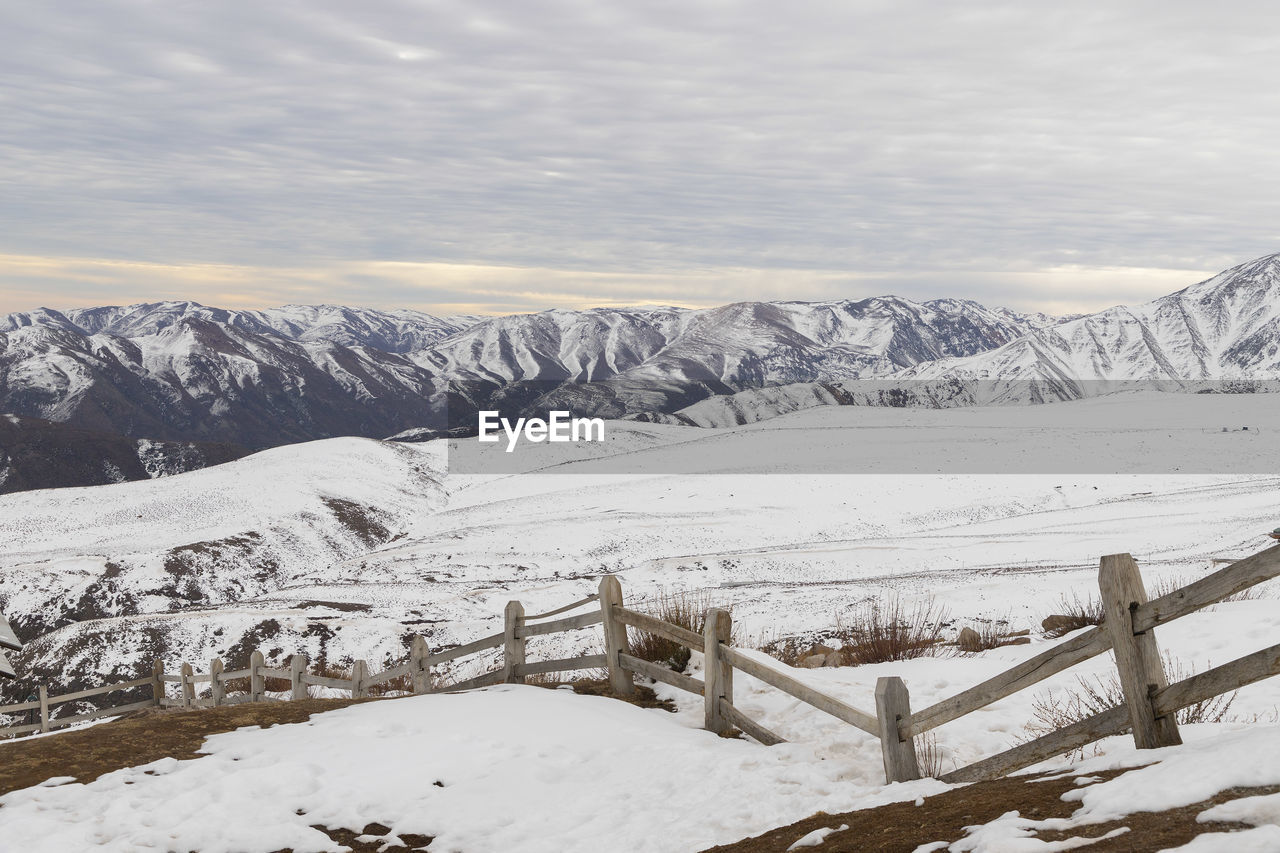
{"points": [[532, 769], [791, 550]]}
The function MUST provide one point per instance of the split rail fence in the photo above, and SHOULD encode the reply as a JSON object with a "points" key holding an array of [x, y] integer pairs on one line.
{"points": [[1127, 630]]}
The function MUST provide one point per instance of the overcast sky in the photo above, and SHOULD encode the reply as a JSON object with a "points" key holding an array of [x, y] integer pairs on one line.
{"points": [[496, 157]]}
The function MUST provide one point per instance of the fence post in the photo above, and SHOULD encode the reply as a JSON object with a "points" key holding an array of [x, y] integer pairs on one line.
{"points": [[418, 664], [297, 666], [512, 646], [615, 637], [257, 682], [893, 705], [157, 682], [1137, 655], [718, 672], [359, 675], [44, 708], [215, 682], [188, 687]]}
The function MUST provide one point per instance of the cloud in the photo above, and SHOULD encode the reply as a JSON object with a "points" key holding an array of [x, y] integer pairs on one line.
{"points": [[442, 288], [595, 151]]}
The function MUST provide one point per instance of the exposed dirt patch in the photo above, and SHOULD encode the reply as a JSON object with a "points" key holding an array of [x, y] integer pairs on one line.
{"points": [[360, 520], [344, 606], [644, 697], [140, 738], [902, 827], [376, 837]]}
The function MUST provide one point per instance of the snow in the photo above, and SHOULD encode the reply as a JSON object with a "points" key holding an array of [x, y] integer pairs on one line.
{"points": [[517, 767], [813, 839], [1175, 777], [791, 548], [520, 768]]}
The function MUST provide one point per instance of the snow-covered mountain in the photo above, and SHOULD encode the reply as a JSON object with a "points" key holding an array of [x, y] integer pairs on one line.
{"points": [[199, 379], [183, 371], [390, 331], [1227, 327], [745, 344]]}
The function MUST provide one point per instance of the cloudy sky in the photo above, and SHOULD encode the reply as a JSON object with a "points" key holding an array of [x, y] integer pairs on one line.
{"points": [[496, 157]]}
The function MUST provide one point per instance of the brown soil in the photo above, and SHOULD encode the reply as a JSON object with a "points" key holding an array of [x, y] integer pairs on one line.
{"points": [[150, 735], [902, 827], [140, 738], [644, 697]]}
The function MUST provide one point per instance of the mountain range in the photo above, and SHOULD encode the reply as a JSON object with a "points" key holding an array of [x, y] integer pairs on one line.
{"points": [[185, 372]]}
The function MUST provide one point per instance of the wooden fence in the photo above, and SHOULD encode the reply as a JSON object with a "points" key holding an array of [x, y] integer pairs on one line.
{"points": [[415, 673], [1128, 630]]}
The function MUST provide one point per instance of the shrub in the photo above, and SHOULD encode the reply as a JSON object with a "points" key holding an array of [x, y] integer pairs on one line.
{"points": [[889, 630], [929, 755], [788, 650], [685, 608], [992, 634], [1054, 709]]}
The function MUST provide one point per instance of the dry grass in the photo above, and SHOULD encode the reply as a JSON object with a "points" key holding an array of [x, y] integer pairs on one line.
{"points": [[929, 755], [993, 634], [1172, 583], [1078, 612], [788, 650], [685, 608], [556, 679], [876, 631], [883, 630], [1054, 709]]}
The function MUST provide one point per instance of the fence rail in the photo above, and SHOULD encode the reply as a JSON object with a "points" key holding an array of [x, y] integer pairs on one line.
{"points": [[1127, 630]]}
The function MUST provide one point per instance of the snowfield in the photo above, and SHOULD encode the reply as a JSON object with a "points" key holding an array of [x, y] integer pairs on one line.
{"points": [[344, 549], [516, 767], [520, 768]]}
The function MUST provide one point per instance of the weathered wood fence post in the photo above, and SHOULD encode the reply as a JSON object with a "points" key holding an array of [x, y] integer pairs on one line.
{"points": [[157, 682], [188, 686], [893, 705], [718, 672], [418, 665], [512, 645], [44, 708], [216, 684], [1137, 655], [359, 679], [615, 637], [257, 682], [297, 666]]}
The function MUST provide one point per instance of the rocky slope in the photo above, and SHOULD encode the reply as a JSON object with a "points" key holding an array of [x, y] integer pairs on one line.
{"points": [[42, 454]]}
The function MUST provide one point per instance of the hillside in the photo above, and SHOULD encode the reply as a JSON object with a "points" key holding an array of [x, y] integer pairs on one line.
{"points": [[39, 454], [343, 548], [588, 773], [122, 573]]}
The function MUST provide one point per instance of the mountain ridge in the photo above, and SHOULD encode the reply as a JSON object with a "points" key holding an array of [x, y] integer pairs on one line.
{"points": [[183, 371]]}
